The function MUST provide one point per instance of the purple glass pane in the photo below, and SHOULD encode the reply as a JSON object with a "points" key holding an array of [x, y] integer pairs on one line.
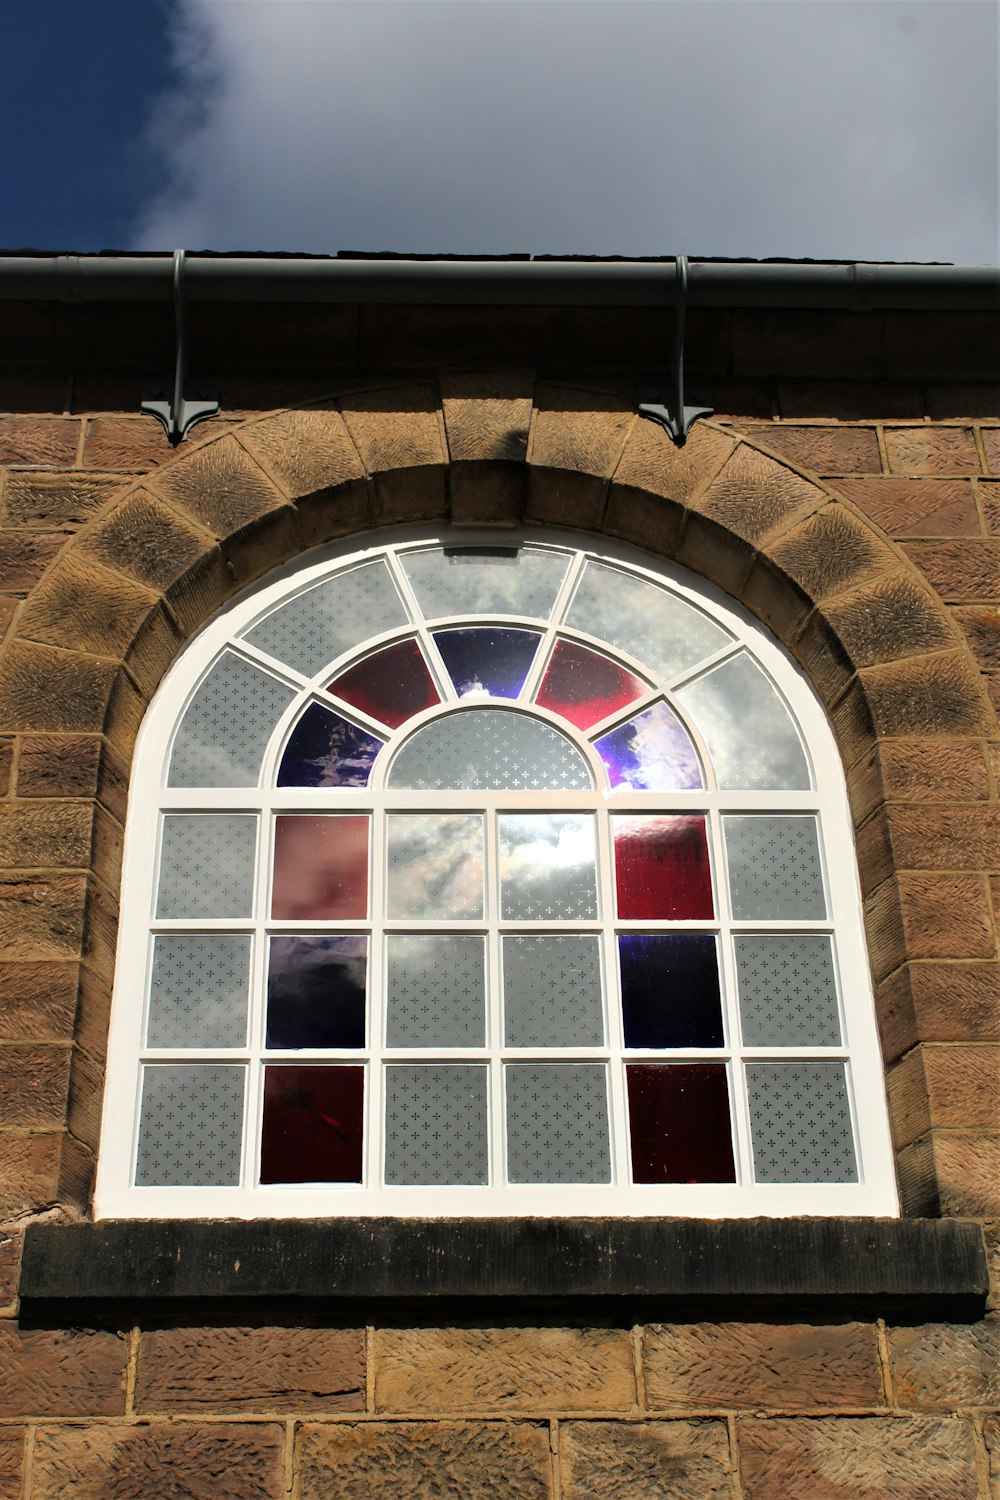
{"points": [[651, 753], [320, 867], [313, 1124], [391, 685], [679, 1119], [487, 663], [662, 869], [670, 990], [327, 750], [584, 686], [316, 991]]}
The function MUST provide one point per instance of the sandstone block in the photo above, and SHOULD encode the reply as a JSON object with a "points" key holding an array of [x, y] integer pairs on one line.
{"points": [[960, 570], [51, 441], [981, 624], [558, 497], [922, 770], [939, 694], [927, 916], [490, 493], [644, 1460], [29, 1172], [61, 1373], [939, 1002], [991, 1432], [37, 499], [6, 764], [398, 427], [42, 918], [775, 599], [580, 430], [10, 1249], [651, 460], [11, 1463], [146, 540], [303, 451], [884, 1457], [33, 1085], [47, 689], [944, 1366], [85, 607], [916, 507], [754, 495], [25, 555], [991, 446], [824, 450], [127, 443], [219, 485], [224, 1461], [831, 552], [47, 835], [487, 415], [251, 1369], [643, 518], [944, 838], [931, 450], [950, 1174], [894, 616], [425, 1460], [411, 494]]}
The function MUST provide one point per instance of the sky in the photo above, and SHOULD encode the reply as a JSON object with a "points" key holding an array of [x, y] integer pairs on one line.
{"points": [[833, 129]]}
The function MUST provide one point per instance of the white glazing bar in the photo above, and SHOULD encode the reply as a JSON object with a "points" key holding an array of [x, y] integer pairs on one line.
{"points": [[494, 1007]]}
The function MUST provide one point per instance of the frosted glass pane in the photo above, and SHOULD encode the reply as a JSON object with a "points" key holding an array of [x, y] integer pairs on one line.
{"points": [[435, 865], [547, 867], [198, 991], [224, 732], [486, 581], [436, 991], [788, 992], [207, 865], [489, 749], [651, 753], [552, 992], [774, 868], [660, 630], [436, 1125], [316, 627], [800, 1122], [748, 730], [557, 1123], [190, 1126]]}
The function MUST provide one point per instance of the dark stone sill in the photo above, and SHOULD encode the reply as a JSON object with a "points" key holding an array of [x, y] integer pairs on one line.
{"points": [[915, 1269]]}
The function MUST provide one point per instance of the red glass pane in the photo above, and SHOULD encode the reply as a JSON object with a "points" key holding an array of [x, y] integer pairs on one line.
{"points": [[662, 868], [320, 867], [679, 1118], [390, 685], [313, 1124], [585, 687]]}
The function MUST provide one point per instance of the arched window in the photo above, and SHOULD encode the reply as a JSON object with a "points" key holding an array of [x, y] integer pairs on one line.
{"points": [[474, 878]]}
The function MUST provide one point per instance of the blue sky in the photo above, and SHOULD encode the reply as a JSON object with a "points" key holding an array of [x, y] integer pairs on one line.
{"points": [[829, 128]]}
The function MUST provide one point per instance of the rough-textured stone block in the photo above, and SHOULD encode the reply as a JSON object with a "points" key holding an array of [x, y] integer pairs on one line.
{"points": [[51, 441], [147, 541], [47, 689], [6, 765], [487, 415], [57, 500], [824, 450], [491, 493], [25, 555], [647, 520], [251, 1369], [652, 461], [991, 447], [790, 1366], [944, 838], [33, 1085], [219, 485], [561, 497], [67, 766], [961, 570], [223, 1461], [991, 1434], [11, 1463], [753, 495], [981, 625], [29, 1172], [85, 607], [580, 430], [644, 1460], [303, 451], [932, 450], [927, 916], [843, 1458], [538, 1369], [916, 507], [921, 770], [48, 835], [940, 1085], [950, 1174], [395, 428], [61, 1373], [425, 1461], [894, 616], [944, 1366], [137, 443], [831, 552], [10, 1249], [41, 918], [939, 1002], [933, 695]]}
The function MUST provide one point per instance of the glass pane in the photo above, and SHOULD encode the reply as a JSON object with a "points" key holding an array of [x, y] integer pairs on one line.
{"points": [[800, 1123], [328, 750], [390, 685], [557, 1123], [316, 627], [486, 663], [788, 992], [316, 989], [774, 868], [552, 992], [679, 1122], [436, 1125], [190, 1126], [585, 687], [313, 1124], [670, 990], [662, 868], [660, 630], [486, 580], [435, 865], [320, 867], [225, 729], [651, 753], [489, 749], [436, 991], [547, 867], [199, 988], [207, 865], [748, 730]]}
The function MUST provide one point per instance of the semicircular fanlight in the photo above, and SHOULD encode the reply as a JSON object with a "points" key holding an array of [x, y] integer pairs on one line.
{"points": [[489, 749]]}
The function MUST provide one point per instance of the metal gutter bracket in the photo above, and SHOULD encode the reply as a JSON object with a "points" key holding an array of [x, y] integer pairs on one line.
{"points": [[177, 412], [671, 412]]}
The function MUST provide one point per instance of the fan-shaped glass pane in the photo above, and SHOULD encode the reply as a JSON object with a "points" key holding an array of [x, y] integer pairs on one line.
{"points": [[662, 631], [222, 737], [650, 753], [485, 580], [390, 685], [487, 662], [325, 749], [323, 623], [750, 736], [489, 749], [585, 687]]}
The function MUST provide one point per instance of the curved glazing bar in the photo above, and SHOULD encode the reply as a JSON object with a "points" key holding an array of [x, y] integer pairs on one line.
{"points": [[489, 749], [750, 736], [317, 626], [221, 739], [664, 632], [485, 580], [325, 749]]}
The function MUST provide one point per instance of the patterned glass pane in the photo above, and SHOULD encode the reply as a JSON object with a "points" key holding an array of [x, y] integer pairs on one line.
{"points": [[316, 989], [662, 869], [390, 685], [489, 749], [486, 580], [547, 867], [748, 730], [313, 1127], [487, 663], [436, 991], [800, 1122], [320, 867], [328, 750], [190, 1125], [436, 1125], [788, 991], [585, 687], [316, 627], [225, 729], [663, 632], [207, 865], [651, 753], [670, 990], [552, 992], [435, 865], [557, 1123], [679, 1122], [774, 868], [198, 992]]}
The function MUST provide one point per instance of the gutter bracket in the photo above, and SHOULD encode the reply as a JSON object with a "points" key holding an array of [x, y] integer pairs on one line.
{"points": [[177, 412], [668, 408]]}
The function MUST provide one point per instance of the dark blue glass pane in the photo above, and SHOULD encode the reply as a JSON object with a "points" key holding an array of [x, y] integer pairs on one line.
{"points": [[670, 990], [316, 991], [326, 750], [485, 662], [651, 753]]}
